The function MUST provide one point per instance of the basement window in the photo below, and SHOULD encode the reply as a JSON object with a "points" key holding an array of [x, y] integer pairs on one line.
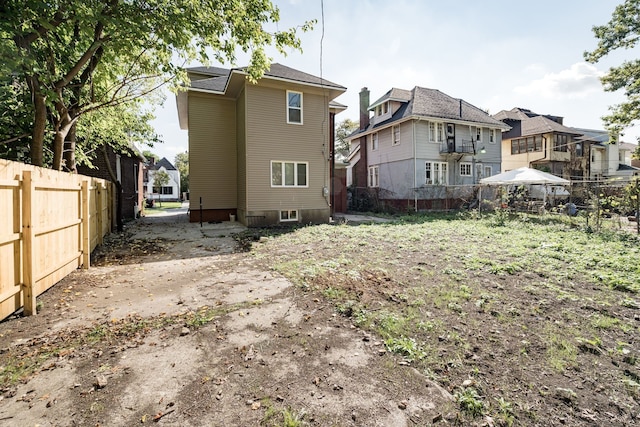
{"points": [[289, 215]]}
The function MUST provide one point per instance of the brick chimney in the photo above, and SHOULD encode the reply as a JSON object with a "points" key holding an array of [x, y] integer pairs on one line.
{"points": [[364, 108], [360, 169]]}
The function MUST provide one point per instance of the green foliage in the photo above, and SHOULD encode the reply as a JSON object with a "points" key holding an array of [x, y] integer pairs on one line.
{"points": [[182, 164], [343, 130], [621, 32], [470, 401], [79, 56]]}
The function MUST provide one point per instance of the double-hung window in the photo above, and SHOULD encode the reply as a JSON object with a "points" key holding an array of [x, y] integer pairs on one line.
{"points": [[440, 132], [374, 141], [492, 136], [294, 107], [396, 134], [465, 169], [373, 176], [432, 132], [478, 134], [289, 174], [436, 173]]}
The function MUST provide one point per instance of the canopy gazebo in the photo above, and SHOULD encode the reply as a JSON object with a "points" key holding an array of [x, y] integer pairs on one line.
{"points": [[525, 176]]}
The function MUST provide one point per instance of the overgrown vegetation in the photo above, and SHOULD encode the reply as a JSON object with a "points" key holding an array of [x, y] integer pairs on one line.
{"points": [[502, 310]]}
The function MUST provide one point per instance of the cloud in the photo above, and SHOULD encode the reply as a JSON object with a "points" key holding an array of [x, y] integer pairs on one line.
{"points": [[578, 81]]}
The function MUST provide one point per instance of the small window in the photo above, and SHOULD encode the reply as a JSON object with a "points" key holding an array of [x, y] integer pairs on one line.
{"points": [[374, 141], [465, 169], [432, 132], [289, 174], [288, 215], [440, 132], [478, 134], [487, 172], [492, 136], [294, 107], [374, 176], [396, 134]]}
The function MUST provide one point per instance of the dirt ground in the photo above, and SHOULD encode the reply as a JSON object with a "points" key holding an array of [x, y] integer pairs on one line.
{"points": [[174, 326]]}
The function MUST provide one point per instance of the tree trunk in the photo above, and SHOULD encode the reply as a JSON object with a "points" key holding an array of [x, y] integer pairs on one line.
{"points": [[36, 151], [69, 154]]}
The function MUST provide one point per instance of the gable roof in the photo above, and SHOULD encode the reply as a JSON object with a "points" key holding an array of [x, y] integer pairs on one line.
{"points": [[163, 163]]}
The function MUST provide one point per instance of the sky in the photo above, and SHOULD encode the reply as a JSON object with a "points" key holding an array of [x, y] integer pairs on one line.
{"points": [[494, 54]]}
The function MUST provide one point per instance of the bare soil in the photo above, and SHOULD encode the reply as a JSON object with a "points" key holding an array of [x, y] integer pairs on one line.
{"points": [[174, 326]]}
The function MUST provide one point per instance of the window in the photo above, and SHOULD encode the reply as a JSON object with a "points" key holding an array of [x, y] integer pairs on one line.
{"points": [[465, 169], [374, 141], [440, 132], [294, 107], [492, 136], [373, 176], [166, 190], [560, 142], [436, 173], [289, 174], [580, 152], [135, 177], [487, 172], [288, 215], [528, 144], [478, 134], [478, 171], [396, 135], [432, 132]]}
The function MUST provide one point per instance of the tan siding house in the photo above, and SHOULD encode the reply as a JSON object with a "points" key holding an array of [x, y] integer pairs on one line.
{"points": [[260, 152]]}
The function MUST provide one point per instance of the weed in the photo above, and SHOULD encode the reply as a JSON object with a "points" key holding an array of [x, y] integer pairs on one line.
{"points": [[505, 411], [470, 402], [284, 417], [407, 347]]}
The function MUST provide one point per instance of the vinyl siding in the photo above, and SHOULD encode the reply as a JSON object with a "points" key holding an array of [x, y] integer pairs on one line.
{"points": [[212, 152], [242, 151], [269, 137], [387, 152]]}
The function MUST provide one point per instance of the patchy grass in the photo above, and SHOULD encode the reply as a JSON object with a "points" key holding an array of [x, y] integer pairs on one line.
{"points": [[524, 305], [160, 207]]}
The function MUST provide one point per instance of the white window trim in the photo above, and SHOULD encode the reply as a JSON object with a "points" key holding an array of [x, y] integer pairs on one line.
{"points": [[440, 137], [301, 108], [288, 215], [373, 177], [492, 136], [395, 141], [375, 141], [440, 169], [466, 165], [432, 137], [295, 175]]}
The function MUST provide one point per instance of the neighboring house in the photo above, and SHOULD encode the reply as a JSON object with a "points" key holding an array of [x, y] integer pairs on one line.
{"points": [[169, 192], [542, 142], [261, 152], [422, 149], [127, 167]]}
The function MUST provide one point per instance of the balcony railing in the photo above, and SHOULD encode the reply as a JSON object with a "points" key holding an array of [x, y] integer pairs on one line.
{"points": [[462, 147]]}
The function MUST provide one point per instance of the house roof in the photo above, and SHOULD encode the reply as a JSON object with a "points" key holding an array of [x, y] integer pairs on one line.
{"points": [[627, 146], [623, 167], [221, 76], [433, 103], [394, 94], [519, 113], [163, 163], [593, 135], [541, 124]]}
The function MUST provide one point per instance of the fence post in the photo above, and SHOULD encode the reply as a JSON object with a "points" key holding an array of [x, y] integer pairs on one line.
{"points": [[86, 225], [28, 236]]}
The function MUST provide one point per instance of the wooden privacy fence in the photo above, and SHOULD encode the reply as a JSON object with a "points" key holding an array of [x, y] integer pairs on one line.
{"points": [[50, 222]]}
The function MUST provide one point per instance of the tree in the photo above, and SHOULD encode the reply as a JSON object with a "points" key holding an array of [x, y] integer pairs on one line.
{"points": [[343, 130], [160, 179], [621, 32], [182, 164], [149, 155], [79, 56]]}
